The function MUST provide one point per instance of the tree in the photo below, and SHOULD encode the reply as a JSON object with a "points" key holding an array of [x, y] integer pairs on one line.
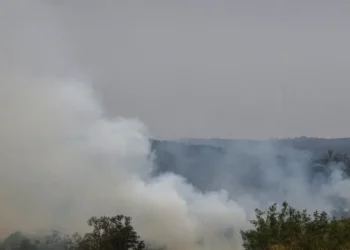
{"points": [[109, 233], [291, 229]]}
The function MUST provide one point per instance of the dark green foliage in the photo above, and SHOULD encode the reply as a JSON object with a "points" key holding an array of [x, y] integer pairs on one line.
{"points": [[109, 233], [288, 228], [284, 228]]}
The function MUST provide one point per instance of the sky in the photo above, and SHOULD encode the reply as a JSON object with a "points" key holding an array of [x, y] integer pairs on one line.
{"points": [[185, 69], [223, 69]]}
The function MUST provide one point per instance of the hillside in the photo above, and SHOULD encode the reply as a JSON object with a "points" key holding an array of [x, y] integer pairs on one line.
{"points": [[260, 171], [210, 164]]}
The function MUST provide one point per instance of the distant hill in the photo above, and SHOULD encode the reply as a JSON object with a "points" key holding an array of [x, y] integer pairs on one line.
{"points": [[314, 145], [205, 161]]}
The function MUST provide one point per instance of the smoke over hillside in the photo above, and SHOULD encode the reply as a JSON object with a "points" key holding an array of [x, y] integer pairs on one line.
{"points": [[62, 161]]}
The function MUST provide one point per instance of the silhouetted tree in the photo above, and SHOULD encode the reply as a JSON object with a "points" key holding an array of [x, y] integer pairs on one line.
{"points": [[109, 233]]}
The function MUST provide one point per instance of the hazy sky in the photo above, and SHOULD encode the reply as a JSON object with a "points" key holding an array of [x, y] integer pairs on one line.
{"points": [[230, 69]]}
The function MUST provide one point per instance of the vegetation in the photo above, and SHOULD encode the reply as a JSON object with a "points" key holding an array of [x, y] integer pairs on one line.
{"points": [[291, 229], [277, 228], [108, 233], [284, 228]]}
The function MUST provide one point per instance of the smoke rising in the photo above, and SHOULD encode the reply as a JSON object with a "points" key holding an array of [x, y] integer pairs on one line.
{"points": [[62, 161]]}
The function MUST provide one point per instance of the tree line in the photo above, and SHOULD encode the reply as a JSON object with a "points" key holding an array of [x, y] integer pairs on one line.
{"points": [[277, 228]]}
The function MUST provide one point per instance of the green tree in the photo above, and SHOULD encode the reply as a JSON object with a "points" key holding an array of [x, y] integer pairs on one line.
{"points": [[109, 233], [291, 229]]}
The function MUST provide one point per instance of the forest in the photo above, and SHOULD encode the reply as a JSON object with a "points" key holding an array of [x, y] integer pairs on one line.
{"points": [[284, 228], [279, 227]]}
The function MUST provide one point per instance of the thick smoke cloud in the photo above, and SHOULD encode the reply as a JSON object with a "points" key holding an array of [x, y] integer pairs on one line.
{"points": [[62, 161]]}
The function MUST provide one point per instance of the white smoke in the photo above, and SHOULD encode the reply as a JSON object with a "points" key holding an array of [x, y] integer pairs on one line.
{"points": [[62, 161]]}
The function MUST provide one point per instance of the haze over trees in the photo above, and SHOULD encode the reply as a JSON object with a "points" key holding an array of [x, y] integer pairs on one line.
{"points": [[213, 157], [280, 227], [108, 233]]}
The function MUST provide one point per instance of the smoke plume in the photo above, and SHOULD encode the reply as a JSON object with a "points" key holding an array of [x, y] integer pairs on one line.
{"points": [[62, 160]]}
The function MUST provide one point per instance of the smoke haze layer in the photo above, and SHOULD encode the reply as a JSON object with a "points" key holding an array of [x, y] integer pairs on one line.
{"points": [[62, 161]]}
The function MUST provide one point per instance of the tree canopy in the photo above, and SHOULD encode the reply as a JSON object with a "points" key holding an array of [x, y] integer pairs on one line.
{"points": [[109, 233], [277, 228], [289, 228]]}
